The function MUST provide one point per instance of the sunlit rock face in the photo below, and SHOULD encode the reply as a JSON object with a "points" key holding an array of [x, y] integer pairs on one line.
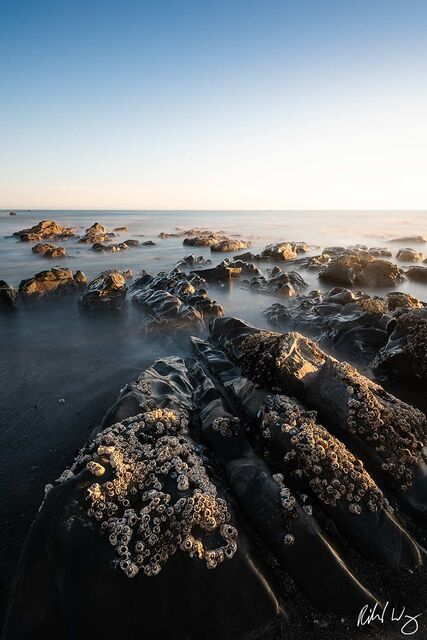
{"points": [[44, 230], [360, 270], [49, 284]]}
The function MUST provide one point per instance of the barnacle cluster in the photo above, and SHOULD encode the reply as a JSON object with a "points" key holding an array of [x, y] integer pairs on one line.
{"points": [[287, 499], [265, 355], [372, 305], [393, 428], [334, 474], [226, 426], [413, 324], [152, 494]]}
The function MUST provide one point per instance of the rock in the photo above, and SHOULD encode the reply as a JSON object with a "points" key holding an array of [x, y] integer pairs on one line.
{"points": [[43, 230], [107, 291], [396, 300], [390, 437], [195, 231], [353, 325], [112, 248], [121, 229], [410, 240], [49, 251], [367, 271], [227, 244], [182, 303], [96, 234], [409, 255], [128, 275], [147, 243], [8, 297], [419, 274], [280, 251], [294, 440], [312, 263], [67, 545], [405, 354], [380, 252], [80, 278], [46, 284], [191, 261], [287, 283], [223, 271], [12, 213]]}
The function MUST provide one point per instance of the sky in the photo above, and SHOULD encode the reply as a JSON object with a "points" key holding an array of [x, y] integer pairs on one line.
{"points": [[213, 104]]}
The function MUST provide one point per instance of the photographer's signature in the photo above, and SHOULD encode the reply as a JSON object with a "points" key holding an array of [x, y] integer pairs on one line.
{"points": [[388, 613]]}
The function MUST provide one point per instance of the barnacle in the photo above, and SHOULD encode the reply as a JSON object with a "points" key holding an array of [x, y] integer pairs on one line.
{"points": [[135, 507], [339, 476]]}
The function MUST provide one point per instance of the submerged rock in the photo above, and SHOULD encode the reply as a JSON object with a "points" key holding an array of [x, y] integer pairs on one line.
{"points": [[107, 291], [410, 240], [46, 284], [43, 230], [49, 251], [419, 274], [8, 297], [409, 255], [366, 271]]}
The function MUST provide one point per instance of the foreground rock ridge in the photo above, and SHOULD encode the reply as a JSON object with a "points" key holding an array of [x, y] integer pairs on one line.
{"points": [[207, 466]]}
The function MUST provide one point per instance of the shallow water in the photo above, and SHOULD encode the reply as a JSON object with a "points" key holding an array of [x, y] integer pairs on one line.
{"points": [[54, 352]]}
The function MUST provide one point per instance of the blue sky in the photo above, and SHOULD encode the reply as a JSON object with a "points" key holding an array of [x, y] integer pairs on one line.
{"points": [[204, 105]]}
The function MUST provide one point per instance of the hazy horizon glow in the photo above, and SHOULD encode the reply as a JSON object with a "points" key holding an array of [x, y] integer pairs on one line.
{"points": [[213, 105]]}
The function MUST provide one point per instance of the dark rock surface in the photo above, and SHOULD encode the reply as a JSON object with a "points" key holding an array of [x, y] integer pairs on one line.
{"points": [[285, 283], [8, 297]]}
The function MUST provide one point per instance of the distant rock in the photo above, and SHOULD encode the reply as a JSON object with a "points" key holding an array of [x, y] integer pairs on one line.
{"points": [[192, 261], [409, 255], [96, 234], [8, 297], [121, 229], [43, 230], [12, 213], [43, 285], [410, 240], [228, 244], [49, 251]]}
